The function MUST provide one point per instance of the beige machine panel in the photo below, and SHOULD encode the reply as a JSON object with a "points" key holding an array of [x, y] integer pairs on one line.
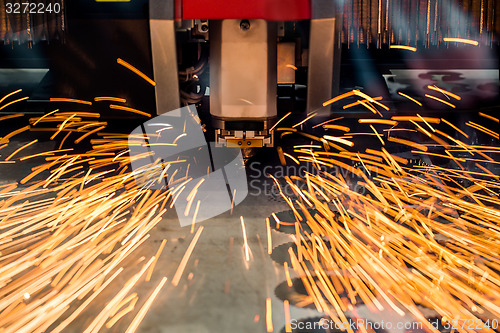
{"points": [[243, 69]]}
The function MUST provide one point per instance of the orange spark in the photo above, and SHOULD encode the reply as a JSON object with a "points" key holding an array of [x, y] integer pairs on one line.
{"points": [[408, 143], [245, 240], [377, 134], [89, 133], [440, 100], [487, 116], [410, 98], [111, 99], [306, 119], [286, 305], [185, 258], [454, 127], [19, 149], [157, 255], [339, 140], [461, 40], [287, 275], [430, 120], [128, 109], [72, 100], [269, 237], [269, 315], [378, 121], [404, 47], [328, 121], [142, 312], [333, 100], [136, 71], [10, 94], [444, 92], [279, 121], [10, 103]]}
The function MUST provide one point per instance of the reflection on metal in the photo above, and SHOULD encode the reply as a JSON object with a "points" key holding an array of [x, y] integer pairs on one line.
{"points": [[162, 29], [21, 76], [324, 54], [324, 62], [469, 84], [286, 63]]}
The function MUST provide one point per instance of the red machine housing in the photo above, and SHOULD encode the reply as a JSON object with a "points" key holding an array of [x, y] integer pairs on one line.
{"points": [[271, 10]]}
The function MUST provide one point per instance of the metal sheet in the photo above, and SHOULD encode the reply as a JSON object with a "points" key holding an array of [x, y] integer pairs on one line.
{"points": [[163, 49], [323, 54], [21, 76], [286, 62]]}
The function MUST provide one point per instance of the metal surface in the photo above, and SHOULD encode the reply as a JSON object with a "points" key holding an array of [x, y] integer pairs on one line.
{"points": [[22, 76], [324, 62], [322, 9], [161, 9], [163, 46], [286, 62]]}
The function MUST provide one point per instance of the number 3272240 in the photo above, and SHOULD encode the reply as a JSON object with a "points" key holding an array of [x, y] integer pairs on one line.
{"points": [[32, 8]]}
